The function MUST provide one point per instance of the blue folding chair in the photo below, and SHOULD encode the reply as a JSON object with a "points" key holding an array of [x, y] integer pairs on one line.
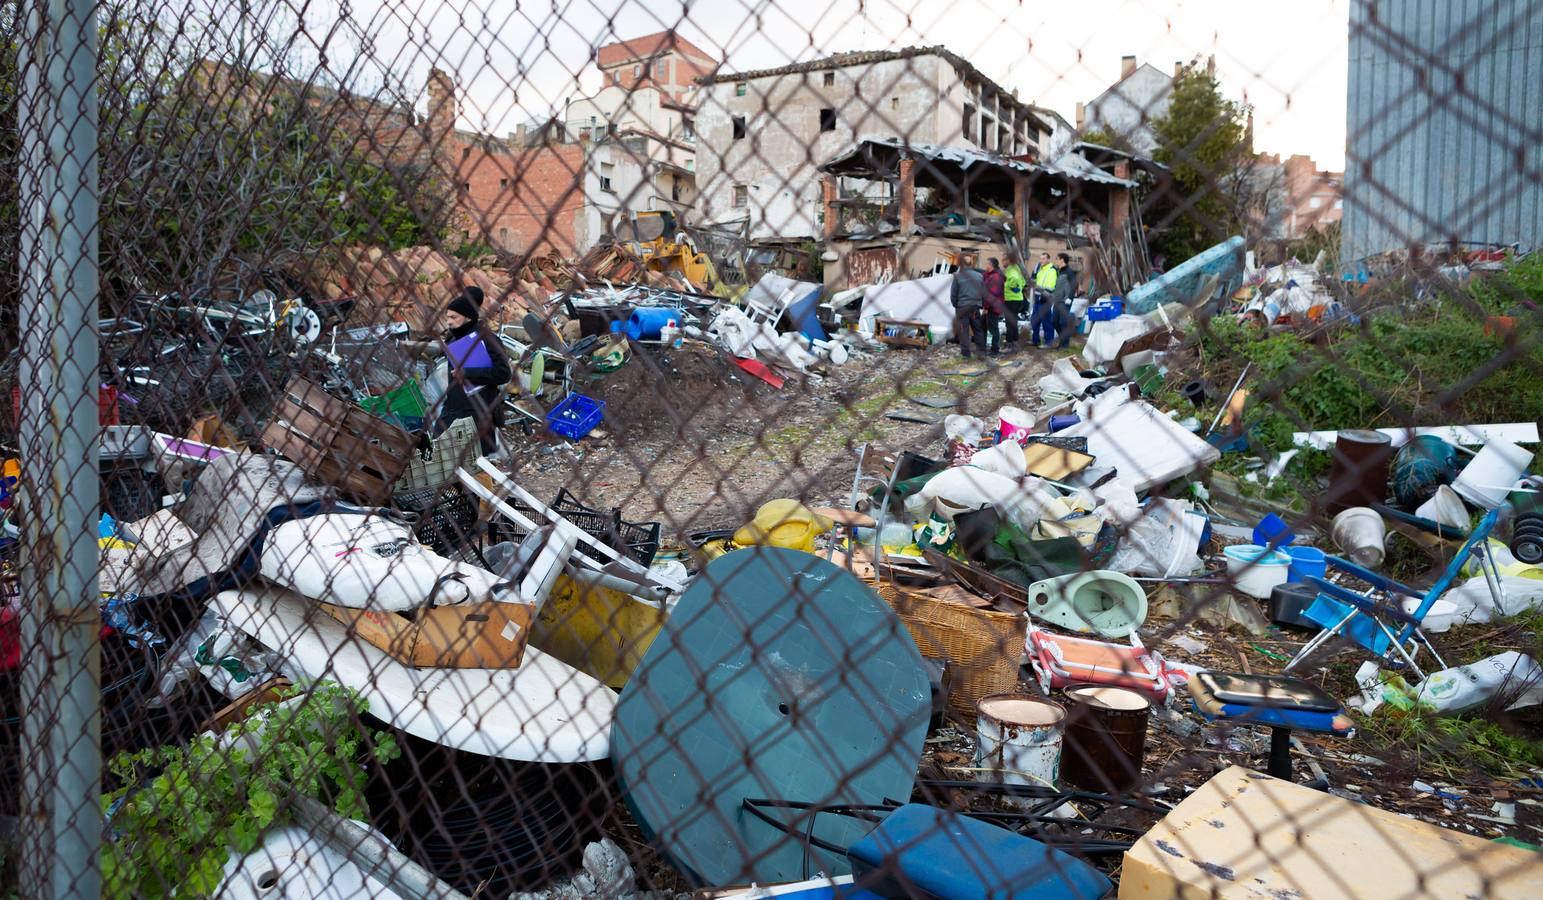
{"points": [[1365, 618]]}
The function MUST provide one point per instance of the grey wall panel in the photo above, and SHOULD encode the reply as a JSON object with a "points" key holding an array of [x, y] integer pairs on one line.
{"points": [[1444, 124]]}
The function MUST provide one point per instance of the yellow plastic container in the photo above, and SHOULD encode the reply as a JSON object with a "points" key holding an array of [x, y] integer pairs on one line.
{"points": [[783, 523], [598, 631]]}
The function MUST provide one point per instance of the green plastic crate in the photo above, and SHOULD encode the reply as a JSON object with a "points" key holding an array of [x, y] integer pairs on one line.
{"points": [[405, 402]]}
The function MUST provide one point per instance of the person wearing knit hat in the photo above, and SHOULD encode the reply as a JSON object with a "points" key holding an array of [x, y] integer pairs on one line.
{"points": [[479, 368]]}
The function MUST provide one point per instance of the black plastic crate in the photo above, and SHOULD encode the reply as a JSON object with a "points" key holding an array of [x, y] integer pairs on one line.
{"points": [[447, 517], [639, 540], [130, 493]]}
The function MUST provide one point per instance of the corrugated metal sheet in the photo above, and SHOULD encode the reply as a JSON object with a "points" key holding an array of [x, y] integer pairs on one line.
{"points": [[1444, 124]]}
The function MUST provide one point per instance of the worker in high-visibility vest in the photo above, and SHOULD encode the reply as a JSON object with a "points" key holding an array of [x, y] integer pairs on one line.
{"points": [[1042, 319], [1013, 285]]}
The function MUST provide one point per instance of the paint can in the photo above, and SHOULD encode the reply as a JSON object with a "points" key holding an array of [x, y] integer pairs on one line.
{"points": [[1106, 737], [1018, 739], [1358, 469]]}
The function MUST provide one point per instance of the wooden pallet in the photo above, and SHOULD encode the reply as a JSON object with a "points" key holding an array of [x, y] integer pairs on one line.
{"points": [[338, 443]]}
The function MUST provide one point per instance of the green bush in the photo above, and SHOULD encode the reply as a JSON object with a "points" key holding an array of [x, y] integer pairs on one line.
{"points": [[1426, 363], [179, 812]]}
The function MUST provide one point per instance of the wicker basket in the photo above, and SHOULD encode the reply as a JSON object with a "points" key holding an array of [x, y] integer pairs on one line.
{"points": [[981, 646]]}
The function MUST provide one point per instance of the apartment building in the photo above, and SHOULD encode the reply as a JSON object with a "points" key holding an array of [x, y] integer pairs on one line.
{"points": [[762, 134]]}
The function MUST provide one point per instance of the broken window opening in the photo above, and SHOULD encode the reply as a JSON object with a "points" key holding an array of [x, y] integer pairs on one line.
{"points": [[827, 120], [739, 128]]}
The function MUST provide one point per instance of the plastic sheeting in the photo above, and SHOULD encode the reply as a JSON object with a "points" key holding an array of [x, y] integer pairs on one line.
{"points": [[918, 300], [965, 489]]}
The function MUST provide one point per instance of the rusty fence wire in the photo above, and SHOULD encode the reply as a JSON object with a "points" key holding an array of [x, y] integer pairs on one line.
{"points": [[485, 449]]}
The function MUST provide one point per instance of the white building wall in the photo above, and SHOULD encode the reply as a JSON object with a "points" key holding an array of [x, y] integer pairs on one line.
{"points": [[777, 160], [1129, 107]]}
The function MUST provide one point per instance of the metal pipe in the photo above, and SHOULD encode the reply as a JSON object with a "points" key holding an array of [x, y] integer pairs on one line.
{"points": [[61, 821], [370, 852]]}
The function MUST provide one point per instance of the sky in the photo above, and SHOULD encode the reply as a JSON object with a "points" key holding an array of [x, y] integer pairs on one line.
{"points": [[515, 60]]}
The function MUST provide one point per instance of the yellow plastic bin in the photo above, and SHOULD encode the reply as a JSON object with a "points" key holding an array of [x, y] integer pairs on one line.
{"points": [[599, 631]]}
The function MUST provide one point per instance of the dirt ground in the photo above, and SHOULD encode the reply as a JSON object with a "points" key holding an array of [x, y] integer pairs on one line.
{"points": [[691, 440]]}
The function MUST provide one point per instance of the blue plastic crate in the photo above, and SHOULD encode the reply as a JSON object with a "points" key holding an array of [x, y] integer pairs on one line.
{"points": [[1104, 310], [576, 416]]}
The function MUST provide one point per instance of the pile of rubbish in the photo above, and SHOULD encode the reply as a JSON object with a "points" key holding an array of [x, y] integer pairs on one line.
{"points": [[951, 682]]}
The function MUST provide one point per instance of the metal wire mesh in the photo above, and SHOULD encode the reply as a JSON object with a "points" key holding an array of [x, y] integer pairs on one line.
{"points": [[484, 449]]}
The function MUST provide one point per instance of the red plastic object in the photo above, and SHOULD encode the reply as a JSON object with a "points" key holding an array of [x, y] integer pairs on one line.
{"points": [[10, 639], [106, 405], [759, 370]]}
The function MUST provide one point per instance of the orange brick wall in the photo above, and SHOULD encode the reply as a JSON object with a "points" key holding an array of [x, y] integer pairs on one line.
{"points": [[524, 199]]}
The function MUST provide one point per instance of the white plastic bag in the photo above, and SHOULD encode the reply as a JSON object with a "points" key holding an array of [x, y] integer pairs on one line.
{"points": [[1005, 459], [1475, 604], [1162, 542], [1512, 678]]}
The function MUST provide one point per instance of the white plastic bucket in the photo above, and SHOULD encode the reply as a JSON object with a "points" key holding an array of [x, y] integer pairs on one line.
{"points": [[1488, 477], [1360, 532], [1445, 508], [1256, 570], [1018, 739], [1016, 424]]}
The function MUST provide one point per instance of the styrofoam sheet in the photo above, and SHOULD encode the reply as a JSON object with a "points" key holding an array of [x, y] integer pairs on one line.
{"points": [[1147, 447], [1464, 435]]}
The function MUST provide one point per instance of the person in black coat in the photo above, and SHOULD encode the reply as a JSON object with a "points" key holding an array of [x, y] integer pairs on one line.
{"points": [[478, 369]]}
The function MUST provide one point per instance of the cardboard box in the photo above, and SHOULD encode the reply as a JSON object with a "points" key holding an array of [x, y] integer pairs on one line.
{"points": [[486, 635]]}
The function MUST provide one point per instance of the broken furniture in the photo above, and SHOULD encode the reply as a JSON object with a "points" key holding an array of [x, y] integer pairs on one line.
{"points": [[597, 562], [776, 674], [1282, 703], [1060, 660], [1243, 835], [902, 332], [1364, 617], [338, 443]]}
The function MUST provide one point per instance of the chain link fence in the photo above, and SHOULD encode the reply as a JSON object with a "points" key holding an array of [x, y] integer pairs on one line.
{"points": [[499, 451]]}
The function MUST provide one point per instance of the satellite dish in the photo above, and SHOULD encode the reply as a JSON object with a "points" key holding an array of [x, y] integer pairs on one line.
{"points": [[777, 676]]}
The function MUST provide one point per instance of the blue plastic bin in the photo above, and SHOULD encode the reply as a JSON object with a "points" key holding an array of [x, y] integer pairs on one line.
{"points": [[1306, 561], [1272, 531], [646, 322], [576, 416]]}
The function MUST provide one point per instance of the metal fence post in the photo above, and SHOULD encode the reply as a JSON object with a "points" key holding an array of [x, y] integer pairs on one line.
{"points": [[61, 751]]}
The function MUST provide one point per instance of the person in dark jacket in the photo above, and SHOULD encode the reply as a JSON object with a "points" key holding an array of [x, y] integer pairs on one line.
{"points": [[479, 368], [968, 295], [1061, 299], [993, 279]]}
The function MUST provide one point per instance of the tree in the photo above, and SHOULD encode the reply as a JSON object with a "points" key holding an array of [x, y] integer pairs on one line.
{"points": [[262, 167], [1212, 186]]}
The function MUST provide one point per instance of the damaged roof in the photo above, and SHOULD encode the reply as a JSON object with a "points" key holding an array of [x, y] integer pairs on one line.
{"points": [[870, 57], [863, 161]]}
